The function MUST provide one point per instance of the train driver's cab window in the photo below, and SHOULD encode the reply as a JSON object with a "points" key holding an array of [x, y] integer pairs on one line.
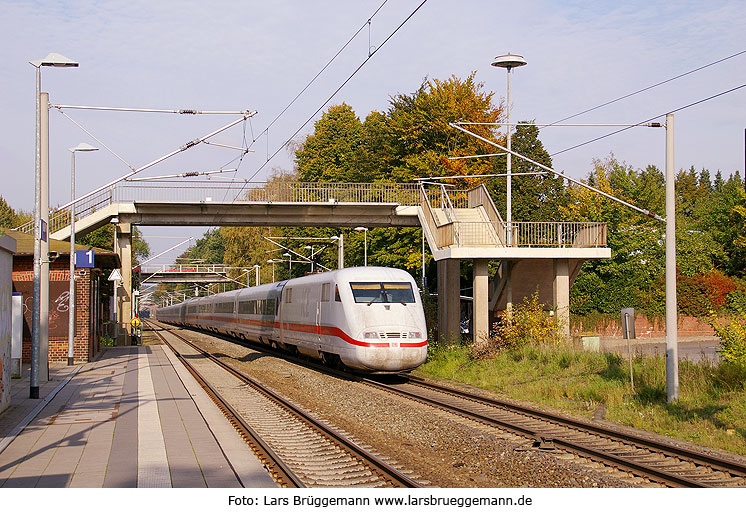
{"points": [[336, 293], [382, 292], [289, 295], [325, 292]]}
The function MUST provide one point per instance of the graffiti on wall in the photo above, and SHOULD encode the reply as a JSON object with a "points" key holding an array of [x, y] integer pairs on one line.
{"points": [[59, 305]]}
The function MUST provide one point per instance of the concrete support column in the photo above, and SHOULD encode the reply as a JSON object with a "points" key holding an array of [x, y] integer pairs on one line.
{"points": [[561, 288], [508, 286], [449, 300], [481, 316], [124, 290]]}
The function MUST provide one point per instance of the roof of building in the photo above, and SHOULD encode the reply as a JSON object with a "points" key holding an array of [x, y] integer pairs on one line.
{"points": [[25, 246]]}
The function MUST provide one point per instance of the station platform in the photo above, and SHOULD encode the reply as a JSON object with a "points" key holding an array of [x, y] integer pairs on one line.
{"points": [[133, 418]]}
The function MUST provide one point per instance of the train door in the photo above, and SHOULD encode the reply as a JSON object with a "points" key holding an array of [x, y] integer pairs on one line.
{"points": [[324, 319]]}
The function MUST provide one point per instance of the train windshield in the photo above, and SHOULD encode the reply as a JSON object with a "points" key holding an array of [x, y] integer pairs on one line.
{"points": [[382, 292]]}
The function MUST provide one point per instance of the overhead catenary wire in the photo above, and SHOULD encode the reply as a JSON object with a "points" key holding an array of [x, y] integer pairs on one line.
{"points": [[651, 119], [134, 171], [649, 87], [549, 169], [318, 74], [337, 90], [344, 83]]}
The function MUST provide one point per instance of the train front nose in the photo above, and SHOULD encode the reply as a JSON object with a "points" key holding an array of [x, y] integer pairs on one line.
{"points": [[389, 360], [388, 351]]}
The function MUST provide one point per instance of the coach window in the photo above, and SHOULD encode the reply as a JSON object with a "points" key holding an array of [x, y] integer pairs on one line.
{"points": [[289, 295], [325, 292]]}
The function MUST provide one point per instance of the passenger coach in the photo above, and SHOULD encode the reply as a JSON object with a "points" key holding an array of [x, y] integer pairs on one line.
{"points": [[368, 318]]}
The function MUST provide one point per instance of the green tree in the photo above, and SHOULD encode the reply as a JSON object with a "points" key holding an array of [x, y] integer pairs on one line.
{"points": [[10, 218], [721, 220], [412, 139], [103, 238], [330, 153]]}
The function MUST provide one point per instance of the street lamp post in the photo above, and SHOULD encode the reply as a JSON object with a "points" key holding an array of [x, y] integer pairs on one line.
{"points": [[311, 248], [340, 250], [509, 61], [83, 147], [365, 243], [256, 268], [272, 261], [41, 228], [290, 264]]}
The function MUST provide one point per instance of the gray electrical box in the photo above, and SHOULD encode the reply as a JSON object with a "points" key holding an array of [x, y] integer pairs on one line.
{"points": [[628, 323]]}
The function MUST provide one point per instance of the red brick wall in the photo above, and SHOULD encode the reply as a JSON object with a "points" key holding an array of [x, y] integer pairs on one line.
{"points": [[86, 343], [612, 327]]}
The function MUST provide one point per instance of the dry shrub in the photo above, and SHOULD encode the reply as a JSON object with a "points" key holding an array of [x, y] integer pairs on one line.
{"points": [[529, 324]]}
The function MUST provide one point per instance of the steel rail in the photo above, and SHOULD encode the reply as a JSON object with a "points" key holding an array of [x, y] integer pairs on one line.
{"points": [[719, 464], [622, 463], [389, 473], [700, 458], [282, 472]]}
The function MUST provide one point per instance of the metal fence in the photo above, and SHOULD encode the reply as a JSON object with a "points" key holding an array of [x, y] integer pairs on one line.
{"points": [[453, 232], [405, 194], [532, 234]]}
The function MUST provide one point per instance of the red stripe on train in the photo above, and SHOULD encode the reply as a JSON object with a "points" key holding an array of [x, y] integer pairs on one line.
{"points": [[332, 331]]}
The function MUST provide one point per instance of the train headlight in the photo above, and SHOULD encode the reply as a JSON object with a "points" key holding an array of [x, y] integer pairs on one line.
{"points": [[370, 335], [415, 335]]}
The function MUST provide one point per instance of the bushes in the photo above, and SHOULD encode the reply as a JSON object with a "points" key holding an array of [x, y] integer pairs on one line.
{"points": [[704, 293], [529, 324], [732, 338]]}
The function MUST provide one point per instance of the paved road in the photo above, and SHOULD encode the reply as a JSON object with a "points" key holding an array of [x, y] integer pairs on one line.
{"points": [[695, 349]]}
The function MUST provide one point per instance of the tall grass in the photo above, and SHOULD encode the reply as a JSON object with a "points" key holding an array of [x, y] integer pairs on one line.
{"points": [[711, 410]]}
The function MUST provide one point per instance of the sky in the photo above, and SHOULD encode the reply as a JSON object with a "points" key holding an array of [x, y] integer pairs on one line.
{"points": [[236, 55]]}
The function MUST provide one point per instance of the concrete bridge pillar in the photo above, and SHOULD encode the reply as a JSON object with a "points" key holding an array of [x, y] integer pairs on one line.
{"points": [[123, 289], [561, 288], [481, 316], [449, 300]]}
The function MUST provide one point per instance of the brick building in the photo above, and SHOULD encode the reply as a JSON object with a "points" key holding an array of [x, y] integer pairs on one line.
{"points": [[89, 301]]}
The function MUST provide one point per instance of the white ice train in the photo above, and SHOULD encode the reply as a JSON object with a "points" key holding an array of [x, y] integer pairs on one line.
{"points": [[368, 318]]}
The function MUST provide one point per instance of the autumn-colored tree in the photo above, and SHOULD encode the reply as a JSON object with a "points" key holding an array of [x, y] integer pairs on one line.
{"points": [[421, 139]]}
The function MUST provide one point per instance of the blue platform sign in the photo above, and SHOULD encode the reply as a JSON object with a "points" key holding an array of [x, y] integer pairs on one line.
{"points": [[84, 259]]}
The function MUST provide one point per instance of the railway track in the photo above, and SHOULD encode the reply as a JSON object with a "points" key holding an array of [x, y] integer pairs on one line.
{"points": [[646, 457], [299, 450], [642, 456]]}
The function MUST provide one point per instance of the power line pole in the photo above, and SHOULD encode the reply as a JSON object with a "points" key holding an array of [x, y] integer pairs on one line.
{"points": [[672, 344]]}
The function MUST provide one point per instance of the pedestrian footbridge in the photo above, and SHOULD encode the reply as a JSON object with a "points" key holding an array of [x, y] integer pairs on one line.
{"points": [[458, 225]]}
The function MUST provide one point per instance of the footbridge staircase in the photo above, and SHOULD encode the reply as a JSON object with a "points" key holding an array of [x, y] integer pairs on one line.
{"points": [[542, 257]]}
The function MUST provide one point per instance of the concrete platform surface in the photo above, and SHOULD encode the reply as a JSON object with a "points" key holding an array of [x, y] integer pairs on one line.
{"points": [[133, 418]]}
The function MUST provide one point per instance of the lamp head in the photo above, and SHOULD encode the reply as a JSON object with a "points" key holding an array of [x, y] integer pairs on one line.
{"points": [[509, 61], [54, 59], [83, 147]]}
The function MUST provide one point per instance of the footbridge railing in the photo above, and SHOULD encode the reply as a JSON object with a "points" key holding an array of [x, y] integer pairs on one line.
{"points": [[232, 191]]}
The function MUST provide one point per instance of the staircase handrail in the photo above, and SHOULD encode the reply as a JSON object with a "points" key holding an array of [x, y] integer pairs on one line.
{"points": [[449, 211], [480, 196], [442, 233]]}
